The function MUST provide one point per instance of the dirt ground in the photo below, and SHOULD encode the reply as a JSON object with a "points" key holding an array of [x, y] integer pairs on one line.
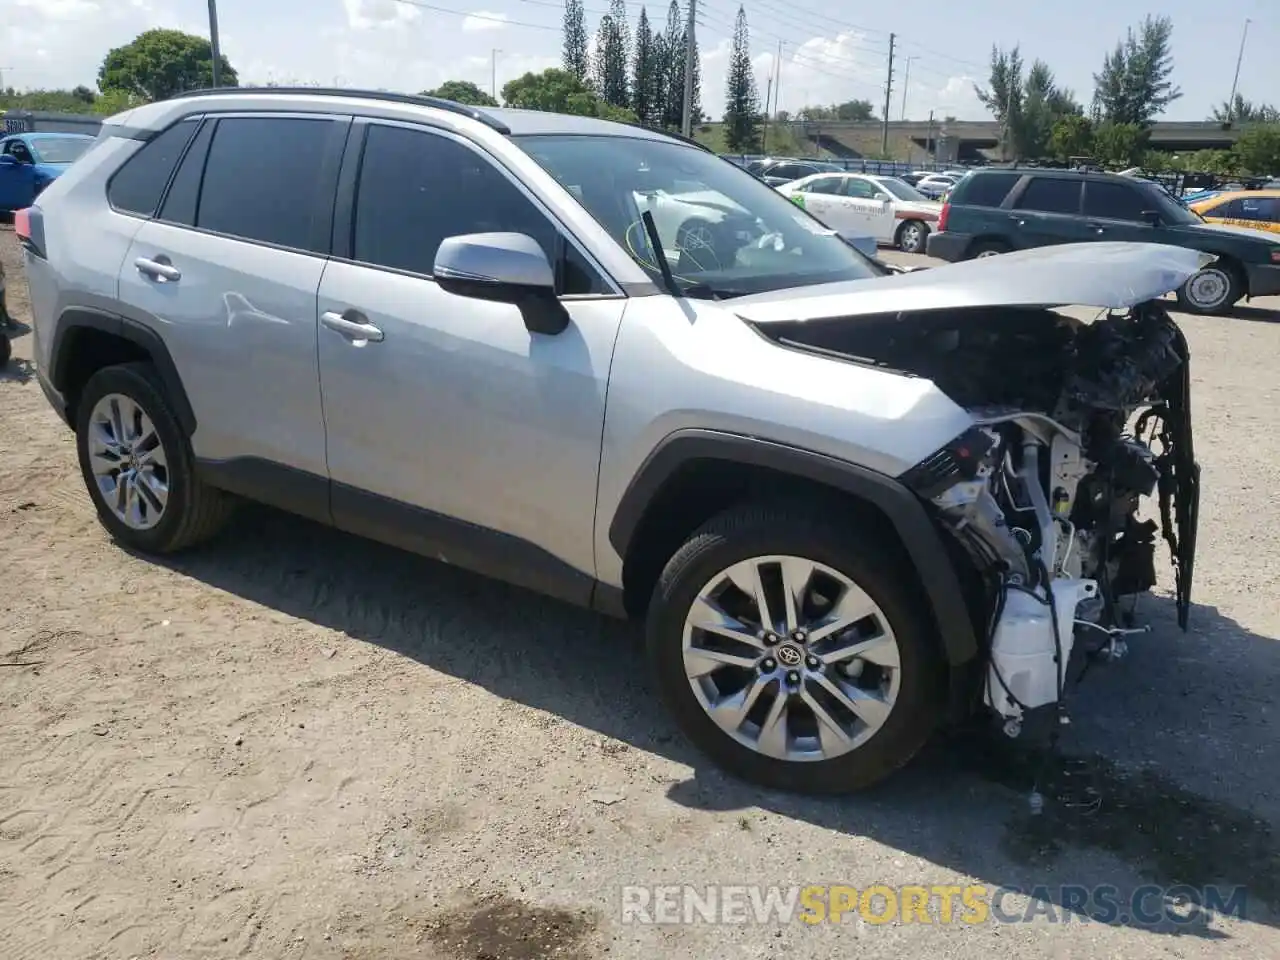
{"points": [[294, 744]]}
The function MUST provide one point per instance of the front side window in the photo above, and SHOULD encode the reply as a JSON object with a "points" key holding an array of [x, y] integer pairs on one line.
{"points": [[900, 189], [262, 178], [1114, 201], [418, 188], [723, 232]]}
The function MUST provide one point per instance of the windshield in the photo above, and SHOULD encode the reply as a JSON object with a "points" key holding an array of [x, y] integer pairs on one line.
{"points": [[901, 189], [59, 149], [724, 233]]}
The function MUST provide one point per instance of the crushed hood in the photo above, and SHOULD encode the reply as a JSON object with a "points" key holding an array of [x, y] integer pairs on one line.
{"points": [[1103, 275]]}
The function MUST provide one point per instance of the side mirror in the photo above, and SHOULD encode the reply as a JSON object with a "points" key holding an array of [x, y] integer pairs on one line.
{"points": [[1152, 217], [882, 197], [8, 160], [505, 268]]}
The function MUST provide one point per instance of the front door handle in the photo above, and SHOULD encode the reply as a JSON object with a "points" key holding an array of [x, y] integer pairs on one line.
{"points": [[1019, 221], [160, 269], [353, 325], [1096, 227]]}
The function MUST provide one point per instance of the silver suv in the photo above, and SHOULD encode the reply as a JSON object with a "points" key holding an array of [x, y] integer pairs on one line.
{"points": [[605, 364]]}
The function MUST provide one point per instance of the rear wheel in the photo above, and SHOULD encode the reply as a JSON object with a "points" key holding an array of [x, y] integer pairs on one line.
{"points": [[1214, 289], [138, 466], [790, 651], [987, 248]]}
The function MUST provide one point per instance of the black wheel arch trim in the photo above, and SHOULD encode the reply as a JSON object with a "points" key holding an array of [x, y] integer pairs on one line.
{"points": [[82, 318], [919, 535]]}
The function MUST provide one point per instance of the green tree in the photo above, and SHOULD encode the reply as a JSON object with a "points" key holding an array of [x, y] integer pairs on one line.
{"points": [[1071, 136], [1245, 111], [462, 91], [115, 101], [1135, 84], [559, 91], [159, 64], [646, 75], [672, 56], [742, 98], [1003, 96], [612, 59], [575, 57], [1258, 149], [1026, 103], [51, 101], [84, 94], [850, 110], [1120, 143]]}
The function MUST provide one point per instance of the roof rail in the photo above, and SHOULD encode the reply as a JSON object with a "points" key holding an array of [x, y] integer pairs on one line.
{"points": [[475, 113]]}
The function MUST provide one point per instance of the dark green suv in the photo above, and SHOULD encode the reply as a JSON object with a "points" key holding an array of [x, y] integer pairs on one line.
{"points": [[997, 211]]}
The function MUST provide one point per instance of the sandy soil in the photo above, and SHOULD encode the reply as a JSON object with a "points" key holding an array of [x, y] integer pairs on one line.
{"points": [[294, 744]]}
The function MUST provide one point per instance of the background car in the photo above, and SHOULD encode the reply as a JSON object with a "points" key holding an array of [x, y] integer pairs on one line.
{"points": [[1255, 209], [29, 162], [999, 211], [936, 184], [778, 171], [886, 208]]}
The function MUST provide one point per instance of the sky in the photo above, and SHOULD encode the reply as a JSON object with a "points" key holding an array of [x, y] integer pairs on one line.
{"points": [[830, 53]]}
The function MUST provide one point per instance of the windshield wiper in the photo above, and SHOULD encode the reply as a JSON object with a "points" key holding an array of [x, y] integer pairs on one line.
{"points": [[655, 243]]}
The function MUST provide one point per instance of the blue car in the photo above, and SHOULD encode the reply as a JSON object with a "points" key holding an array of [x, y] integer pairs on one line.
{"points": [[29, 162]]}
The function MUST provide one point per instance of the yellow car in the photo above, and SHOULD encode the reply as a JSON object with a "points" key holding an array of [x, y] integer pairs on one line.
{"points": [[1256, 209]]}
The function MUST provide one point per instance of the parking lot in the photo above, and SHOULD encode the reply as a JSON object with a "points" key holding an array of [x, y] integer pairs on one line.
{"points": [[297, 744]]}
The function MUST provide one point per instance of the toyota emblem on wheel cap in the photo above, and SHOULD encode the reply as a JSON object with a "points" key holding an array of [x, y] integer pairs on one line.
{"points": [[789, 655]]}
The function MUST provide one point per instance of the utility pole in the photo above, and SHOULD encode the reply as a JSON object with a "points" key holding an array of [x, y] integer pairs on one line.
{"points": [[493, 72], [686, 125], [888, 95], [930, 153], [768, 92], [1004, 133], [1231, 104], [213, 43], [906, 80]]}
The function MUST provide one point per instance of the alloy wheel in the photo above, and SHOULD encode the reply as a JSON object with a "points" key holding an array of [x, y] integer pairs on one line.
{"points": [[128, 461], [791, 658], [1209, 289]]}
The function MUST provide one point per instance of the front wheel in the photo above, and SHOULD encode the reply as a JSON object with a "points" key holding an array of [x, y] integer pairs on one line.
{"points": [[792, 653], [1214, 289]]}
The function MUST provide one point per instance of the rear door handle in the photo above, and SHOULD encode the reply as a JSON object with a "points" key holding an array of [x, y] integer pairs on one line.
{"points": [[160, 269], [1096, 227], [353, 325], [1020, 221]]}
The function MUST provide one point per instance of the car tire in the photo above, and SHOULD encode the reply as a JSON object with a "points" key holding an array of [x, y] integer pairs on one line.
{"points": [[987, 248], [904, 702], [123, 417], [913, 236], [6, 349], [1213, 290]]}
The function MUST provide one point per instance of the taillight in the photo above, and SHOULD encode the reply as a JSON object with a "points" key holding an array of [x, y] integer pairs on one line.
{"points": [[28, 224], [942, 217]]}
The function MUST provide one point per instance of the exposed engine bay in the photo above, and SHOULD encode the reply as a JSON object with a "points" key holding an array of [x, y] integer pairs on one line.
{"points": [[1079, 426]]}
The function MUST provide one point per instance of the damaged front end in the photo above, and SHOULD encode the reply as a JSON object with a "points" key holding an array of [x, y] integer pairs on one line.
{"points": [[1079, 428]]}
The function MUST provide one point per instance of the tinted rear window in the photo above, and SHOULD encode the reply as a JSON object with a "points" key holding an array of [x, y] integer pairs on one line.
{"points": [[262, 179], [1051, 195], [137, 186], [984, 189]]}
